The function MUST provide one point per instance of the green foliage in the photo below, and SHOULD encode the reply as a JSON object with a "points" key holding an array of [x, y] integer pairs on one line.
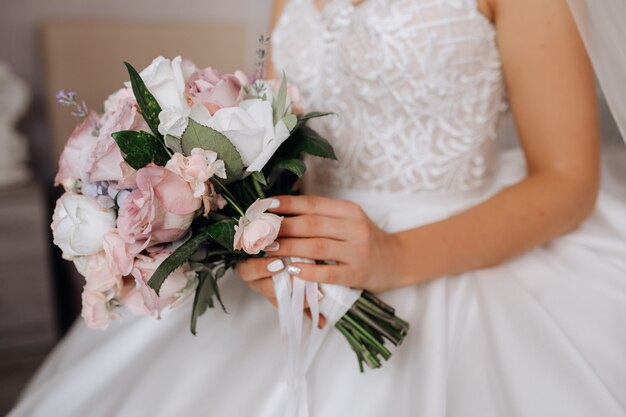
{"points": [[173, 143], [222, 232], [140, 148], [199, 136], [307, 140], [280, 101], [148, 105], [296, 166]]}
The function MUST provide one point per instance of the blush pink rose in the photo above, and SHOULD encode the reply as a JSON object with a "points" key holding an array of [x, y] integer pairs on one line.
{"points": [[98, 276], [213, 90], [133, 301], [76, 152], [159, 210], [257, 229], [105, 160], [197, 168], [120, 254], [176, 288], [98, 310]]}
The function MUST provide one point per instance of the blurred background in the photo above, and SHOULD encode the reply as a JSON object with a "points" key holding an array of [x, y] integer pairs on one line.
{"points": [[78, 45]]}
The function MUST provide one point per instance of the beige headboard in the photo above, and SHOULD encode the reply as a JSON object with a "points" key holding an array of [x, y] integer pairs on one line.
{"points": [[87, 57]]}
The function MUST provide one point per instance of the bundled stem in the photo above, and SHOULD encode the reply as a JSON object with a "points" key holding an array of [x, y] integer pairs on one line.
{"points": [[368, 325]]}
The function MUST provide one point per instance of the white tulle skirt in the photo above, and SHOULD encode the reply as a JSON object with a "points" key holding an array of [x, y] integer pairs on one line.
{"points": [[541, 335]]}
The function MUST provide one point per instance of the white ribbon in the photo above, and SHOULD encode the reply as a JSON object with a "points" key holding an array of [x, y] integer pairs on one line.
{"points": [[290, 294]]}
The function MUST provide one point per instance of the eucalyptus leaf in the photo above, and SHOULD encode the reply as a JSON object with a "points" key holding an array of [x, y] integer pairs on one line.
{"points": [[173, 143], [140, 148], [148, 105], [204, 137], [296, 166], [291, 121]]}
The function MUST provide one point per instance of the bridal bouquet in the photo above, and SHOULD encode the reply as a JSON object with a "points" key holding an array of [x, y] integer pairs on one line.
{"points": [[167, 190]]}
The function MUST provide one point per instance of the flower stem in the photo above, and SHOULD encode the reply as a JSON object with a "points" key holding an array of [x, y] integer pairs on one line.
{"points": [[367, 326], [257, 188], [229, 197]]}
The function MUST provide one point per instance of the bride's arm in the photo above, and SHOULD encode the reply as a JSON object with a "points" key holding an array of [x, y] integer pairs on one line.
{"points": [[552, 95]]}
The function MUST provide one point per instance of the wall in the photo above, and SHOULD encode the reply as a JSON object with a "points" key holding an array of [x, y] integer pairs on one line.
{"points": [[19, 20]]}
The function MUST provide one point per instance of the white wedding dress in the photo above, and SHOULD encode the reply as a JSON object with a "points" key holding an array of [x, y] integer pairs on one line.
{"points": [[418, 89]]}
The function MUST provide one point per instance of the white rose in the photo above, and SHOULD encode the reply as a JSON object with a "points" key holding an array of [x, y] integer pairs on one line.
{"points": [[251, 130], [79, 223], [173, 121], [166, 81]]}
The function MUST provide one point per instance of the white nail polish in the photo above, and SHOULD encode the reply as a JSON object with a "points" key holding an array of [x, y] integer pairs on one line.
{"points": [[273, 247], [275, 265], [274, 203], [294, 270]]}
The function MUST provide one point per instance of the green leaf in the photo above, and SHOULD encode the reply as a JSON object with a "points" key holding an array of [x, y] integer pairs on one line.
{"points": [[176, 259], [173, 143], [148, 105], [309, 141], [294, 165], [140, 148], [280, 102], [222, 232], [199, 136], [202, 299], [313, 115], [259, 177], [291, 121]]}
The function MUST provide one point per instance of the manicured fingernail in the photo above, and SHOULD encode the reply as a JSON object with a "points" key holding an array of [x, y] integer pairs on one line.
{"points": [[275, 266], [273, 247], [320, 295], [274, 203], [294, 270]]}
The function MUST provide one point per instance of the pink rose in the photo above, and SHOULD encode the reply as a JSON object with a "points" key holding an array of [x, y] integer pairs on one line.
{"points": [[159, 210], [98, 276], [98, 311], [105, 161], [133, 301], [197, 169], [76, 151], [119, 254], [257, 229], [213, 90], [177, 287]]}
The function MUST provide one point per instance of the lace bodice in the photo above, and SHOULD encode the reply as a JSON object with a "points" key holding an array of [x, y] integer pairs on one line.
{"points": [[416, 85]]}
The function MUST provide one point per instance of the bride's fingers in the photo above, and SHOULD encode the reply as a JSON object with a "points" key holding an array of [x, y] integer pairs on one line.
{"points": [[328, 274], [310, 204], [322, 320], [314, 248], [256, 268], [313, 225]]}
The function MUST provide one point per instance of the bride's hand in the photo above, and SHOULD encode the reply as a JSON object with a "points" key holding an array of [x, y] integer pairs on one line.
{"points": [[329, 230]]}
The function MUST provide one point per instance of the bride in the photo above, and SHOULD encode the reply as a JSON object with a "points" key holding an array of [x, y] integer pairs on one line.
{"points": [[513, 283]]}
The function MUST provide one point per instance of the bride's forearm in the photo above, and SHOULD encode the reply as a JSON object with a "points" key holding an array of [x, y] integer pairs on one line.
{"points": [[511, 222]]}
